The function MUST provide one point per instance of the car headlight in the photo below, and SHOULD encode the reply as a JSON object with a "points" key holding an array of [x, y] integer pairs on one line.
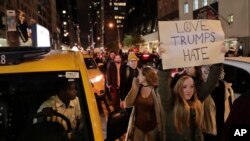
{"points": [[96, 79]]}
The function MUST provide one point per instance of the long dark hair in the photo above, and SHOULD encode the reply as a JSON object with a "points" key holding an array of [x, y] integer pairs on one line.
{"points": [[151, 76]]}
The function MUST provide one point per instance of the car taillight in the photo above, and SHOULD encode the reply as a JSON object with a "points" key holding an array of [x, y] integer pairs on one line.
{"points": [[145, 55]]}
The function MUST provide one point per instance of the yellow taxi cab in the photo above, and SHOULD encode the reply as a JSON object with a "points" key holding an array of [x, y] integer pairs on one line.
{"points": [[30, 75], [25, 85], [97, 80], [95, 74]]}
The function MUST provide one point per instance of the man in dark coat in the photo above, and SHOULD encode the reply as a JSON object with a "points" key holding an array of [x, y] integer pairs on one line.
{"points": [[113, 81], [128, 72], [239, 118]]}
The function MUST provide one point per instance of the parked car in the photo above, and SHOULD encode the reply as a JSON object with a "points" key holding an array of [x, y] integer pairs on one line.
{"points": [[147, 59], [237, 72]]}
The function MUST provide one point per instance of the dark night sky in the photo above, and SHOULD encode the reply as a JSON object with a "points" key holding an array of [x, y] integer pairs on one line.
{"points": [[82, 6]]}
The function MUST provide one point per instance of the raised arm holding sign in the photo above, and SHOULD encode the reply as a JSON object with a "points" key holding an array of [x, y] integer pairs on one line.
{"points": [[191, 43]]}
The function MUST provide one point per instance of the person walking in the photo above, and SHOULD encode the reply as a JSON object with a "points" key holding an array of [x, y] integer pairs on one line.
{"points": [[113, 81], [184, 110], [128, 72], [205, 88], [238, 118], [107, 63], [110, 59], [217, 107], [191, 129], [146, 120]]}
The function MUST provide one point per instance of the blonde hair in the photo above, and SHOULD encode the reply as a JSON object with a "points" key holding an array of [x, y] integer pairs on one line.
{"points": [[181, 111]]}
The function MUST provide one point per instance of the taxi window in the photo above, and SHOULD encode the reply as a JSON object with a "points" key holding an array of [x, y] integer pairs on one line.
{"points": [[90, 63], [22, 94]]}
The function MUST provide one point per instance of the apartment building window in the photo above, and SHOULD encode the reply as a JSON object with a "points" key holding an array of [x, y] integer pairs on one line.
{"points": [[230, 18], [185, 8], [119, 4], [204, 2], [195, 4]]}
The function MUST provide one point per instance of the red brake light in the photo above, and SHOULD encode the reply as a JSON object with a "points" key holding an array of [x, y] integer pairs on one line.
{"points": [[145, 55]]}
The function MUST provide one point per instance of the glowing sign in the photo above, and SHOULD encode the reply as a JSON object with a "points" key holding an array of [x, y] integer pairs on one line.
{"points": [[40, 36]]}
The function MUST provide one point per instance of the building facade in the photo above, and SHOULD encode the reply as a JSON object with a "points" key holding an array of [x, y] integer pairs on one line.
{"points": [[106, 21], [114, 11], [42, 12], [234, 17], [141, 19], [168, 10], [95, 18], [68, 23]]}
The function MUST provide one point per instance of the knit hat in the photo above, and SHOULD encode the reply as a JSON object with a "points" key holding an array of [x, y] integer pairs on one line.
{"points": [[132, 56], [175, 79]]}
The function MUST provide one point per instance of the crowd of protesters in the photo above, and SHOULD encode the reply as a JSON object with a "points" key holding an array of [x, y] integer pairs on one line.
{"points": [[192, 104]]}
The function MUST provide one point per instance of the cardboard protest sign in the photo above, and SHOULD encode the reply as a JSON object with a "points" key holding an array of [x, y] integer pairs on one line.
{"points": [[191, 43]]}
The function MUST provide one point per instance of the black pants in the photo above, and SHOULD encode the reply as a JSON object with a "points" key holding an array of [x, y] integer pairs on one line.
{"points": [[115, 98]]}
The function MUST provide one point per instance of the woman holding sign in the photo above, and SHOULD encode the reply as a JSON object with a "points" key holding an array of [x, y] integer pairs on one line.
{"points": [[169, 98], [204, 88], [183, 109]]}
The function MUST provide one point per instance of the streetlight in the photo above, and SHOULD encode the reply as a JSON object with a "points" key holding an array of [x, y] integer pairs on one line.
{"points": [[111, 26]]}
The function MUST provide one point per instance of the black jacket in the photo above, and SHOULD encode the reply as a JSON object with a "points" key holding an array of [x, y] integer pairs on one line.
{"points": [[127, 75]]}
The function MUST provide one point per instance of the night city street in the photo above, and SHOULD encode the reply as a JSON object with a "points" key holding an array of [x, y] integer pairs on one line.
{"points": [[124, 70]]}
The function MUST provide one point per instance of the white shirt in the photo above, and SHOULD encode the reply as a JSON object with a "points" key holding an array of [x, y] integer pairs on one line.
{"points": [[72, 112]]}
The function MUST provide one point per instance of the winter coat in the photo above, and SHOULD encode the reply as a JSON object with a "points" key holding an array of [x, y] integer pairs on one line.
{"points": [[205, 88], [239, 116], [164, 90], [127, 75], [112, 75], [209, 124]]}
